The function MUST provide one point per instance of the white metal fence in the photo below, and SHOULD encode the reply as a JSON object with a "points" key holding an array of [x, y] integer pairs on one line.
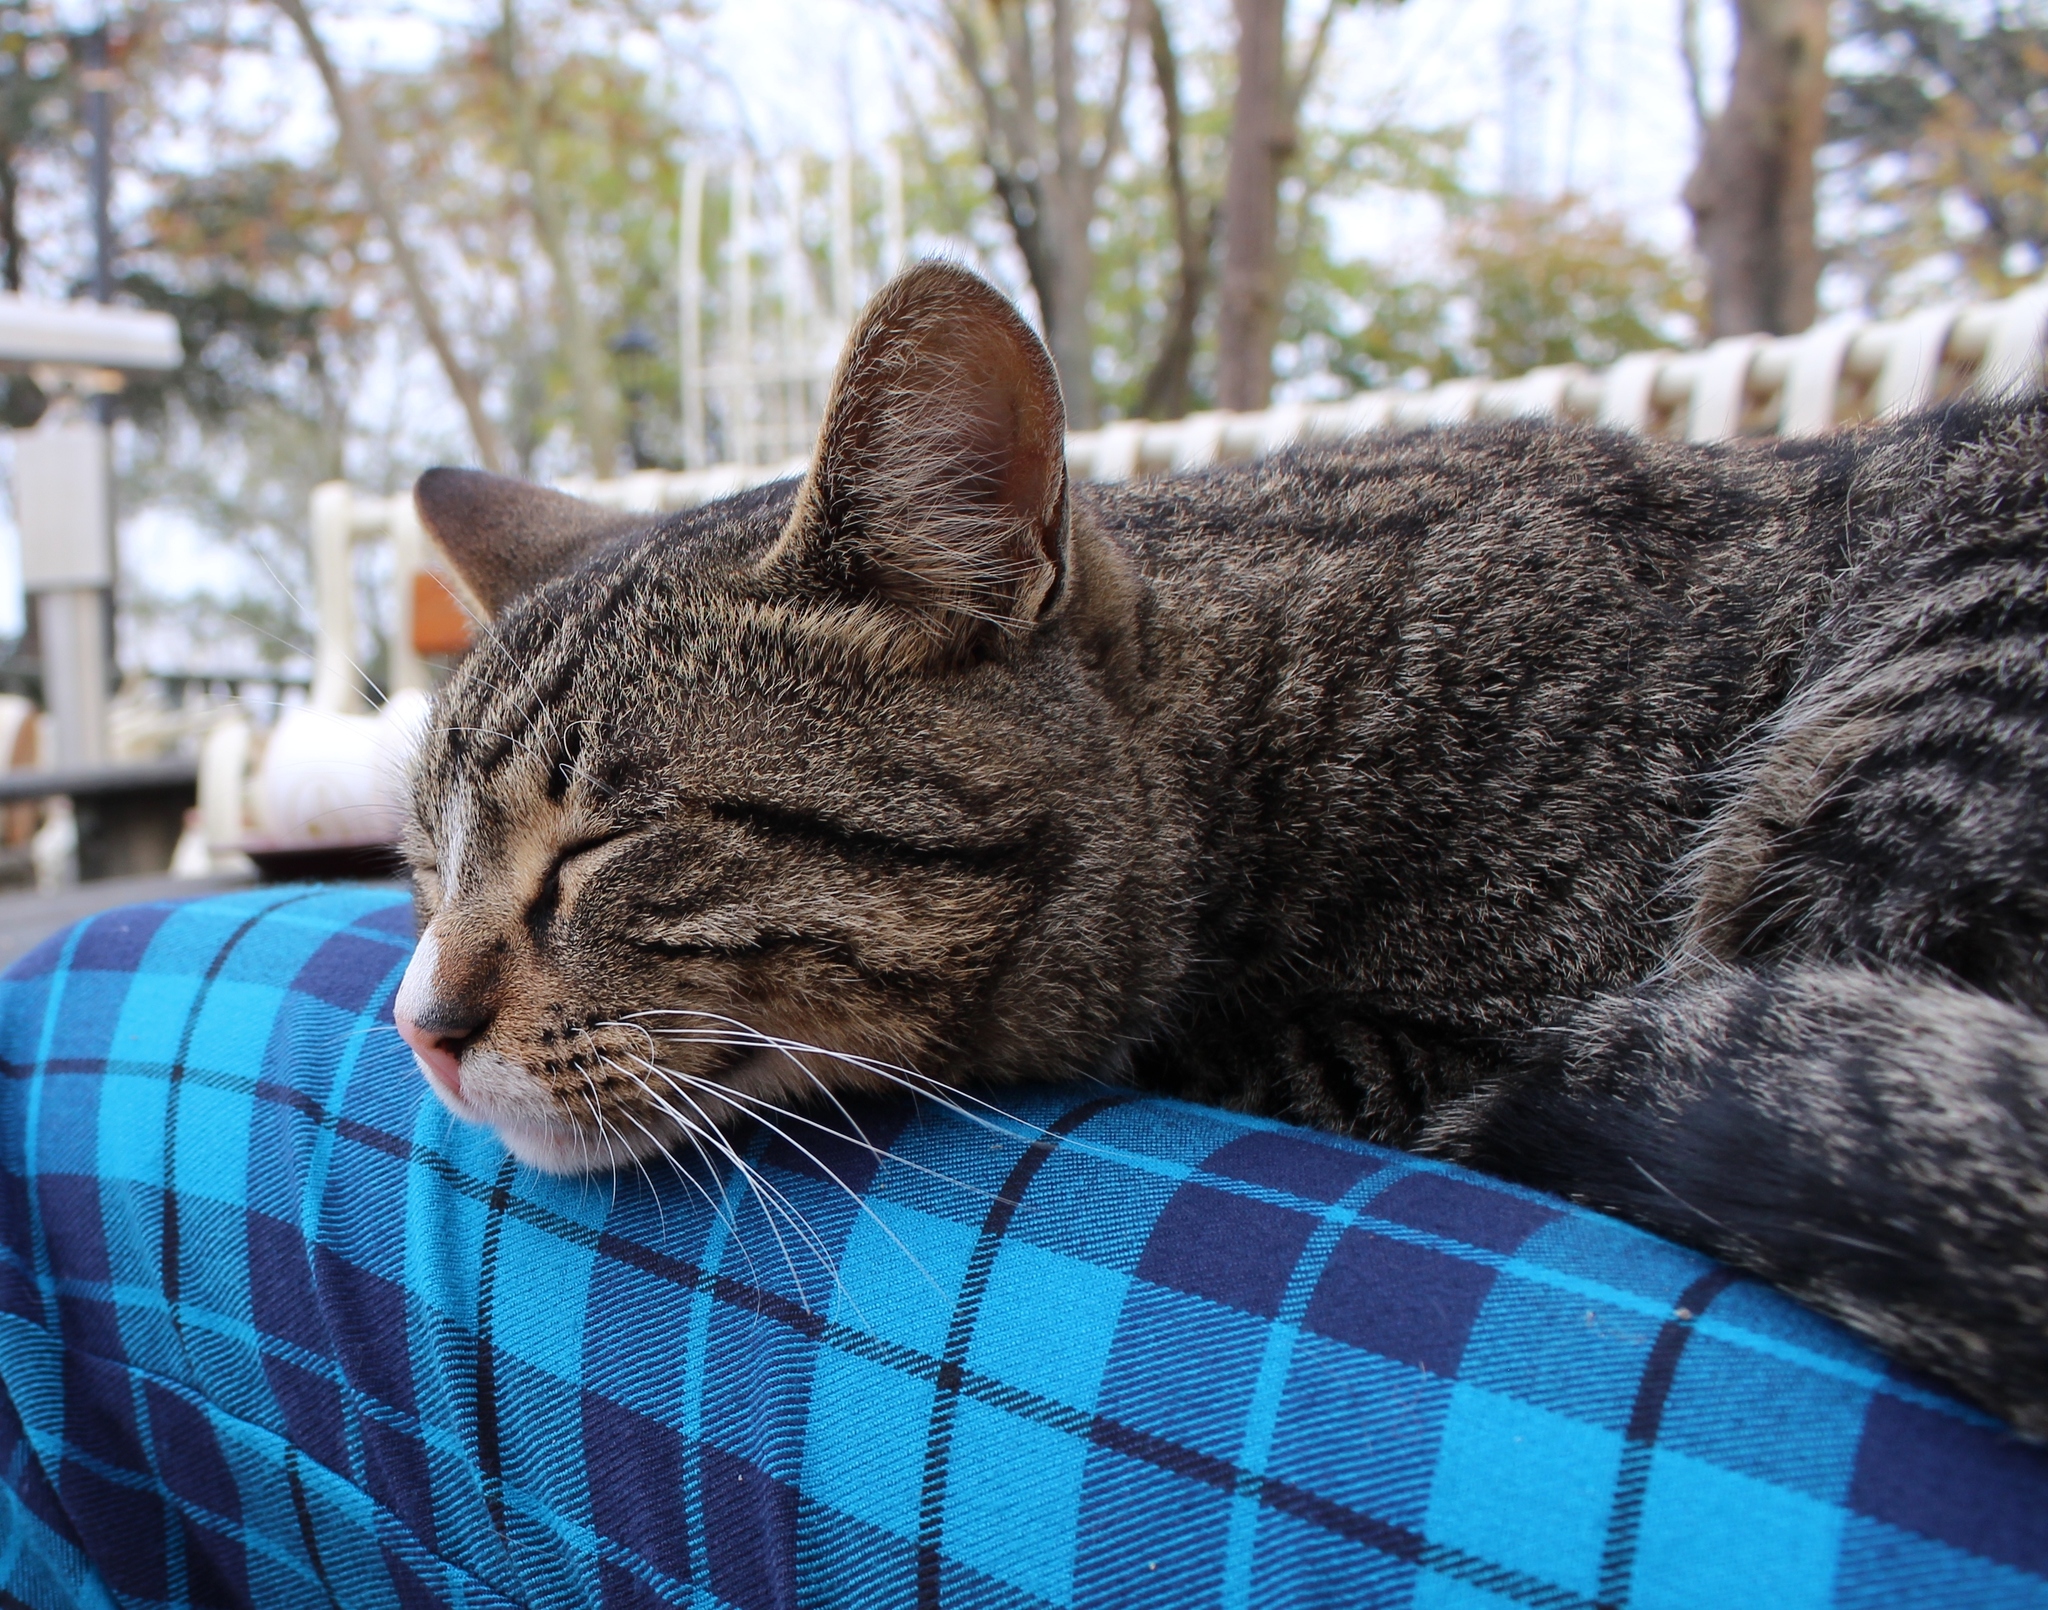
{"points": [[772, 268], [1799, 385], [1793, 386]]}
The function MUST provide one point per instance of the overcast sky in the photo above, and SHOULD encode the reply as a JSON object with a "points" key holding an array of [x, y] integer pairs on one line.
{"points": [[1598, 104], [1605, 110]]}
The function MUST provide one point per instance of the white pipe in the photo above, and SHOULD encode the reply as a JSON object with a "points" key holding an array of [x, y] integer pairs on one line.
{"points": [[87, 335], [2011, 363], [1720, 389], [335, 683], [1628, 400], [1911, 371], [1809, 397], [691, 280], [407, 667]]}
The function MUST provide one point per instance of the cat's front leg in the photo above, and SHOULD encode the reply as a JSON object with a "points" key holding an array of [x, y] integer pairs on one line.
{"points": [[1875, 1143]]}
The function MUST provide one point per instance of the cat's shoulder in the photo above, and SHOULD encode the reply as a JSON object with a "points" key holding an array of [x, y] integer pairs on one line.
{"points": [[1532, 471]]}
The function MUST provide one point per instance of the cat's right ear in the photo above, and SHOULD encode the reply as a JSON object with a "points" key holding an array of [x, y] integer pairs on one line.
{"points": [[935, 509], [506, 537]]}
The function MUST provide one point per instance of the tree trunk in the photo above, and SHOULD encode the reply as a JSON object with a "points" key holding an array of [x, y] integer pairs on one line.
{"points": [[10, 223], [1038, 167], [1165, 393], [596, 414], [360, 152], [1752, 193], [1262, 138], [1071, 195]]}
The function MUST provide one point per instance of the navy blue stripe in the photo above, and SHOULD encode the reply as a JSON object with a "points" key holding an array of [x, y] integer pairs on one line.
{"points": [[490, 1454], [1645, 1421], [1369, 1531], [171, 1252], [302, 1513], [931, 1509]]}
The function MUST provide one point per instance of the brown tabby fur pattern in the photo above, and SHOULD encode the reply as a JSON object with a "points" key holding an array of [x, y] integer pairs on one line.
{"points": [[1661, 824]]}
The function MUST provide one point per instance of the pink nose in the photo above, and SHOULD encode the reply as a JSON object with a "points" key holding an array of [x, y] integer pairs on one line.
{"points": [[440, 1052]]}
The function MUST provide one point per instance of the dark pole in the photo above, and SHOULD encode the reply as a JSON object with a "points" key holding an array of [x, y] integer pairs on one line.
{"points": [[99, 121], [99, 124]]}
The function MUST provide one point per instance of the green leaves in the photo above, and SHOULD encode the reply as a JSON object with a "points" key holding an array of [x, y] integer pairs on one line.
{"points": [[1939, 156]]}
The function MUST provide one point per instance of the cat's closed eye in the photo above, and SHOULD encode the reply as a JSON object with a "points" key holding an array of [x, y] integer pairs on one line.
{"points": [[575, 857]]}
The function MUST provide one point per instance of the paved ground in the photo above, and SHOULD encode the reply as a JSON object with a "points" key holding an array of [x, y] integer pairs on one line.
{"points": [[26, 919]]}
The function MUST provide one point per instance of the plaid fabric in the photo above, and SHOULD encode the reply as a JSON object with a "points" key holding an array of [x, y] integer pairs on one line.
{"points": [[274, 1331]]}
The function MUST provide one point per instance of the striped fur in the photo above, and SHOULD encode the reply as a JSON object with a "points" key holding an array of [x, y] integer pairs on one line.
{"points": [[1660, 824]]}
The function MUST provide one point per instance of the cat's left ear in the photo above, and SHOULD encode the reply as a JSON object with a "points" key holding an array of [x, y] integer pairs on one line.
{"points": [[506, 537], [939, 491]]}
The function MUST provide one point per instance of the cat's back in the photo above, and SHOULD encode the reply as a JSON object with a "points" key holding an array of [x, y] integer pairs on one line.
{"points": [[1455, 497], [1467, 500], [1478, 680], [1714, 568], [1514, 573]]}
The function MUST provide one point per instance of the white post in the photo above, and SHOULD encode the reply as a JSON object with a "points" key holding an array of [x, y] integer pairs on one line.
{"points": [[892, 208], [336, 686], [65, 514], [842, 237], [741, 389], [793, 362], [691, 278], [73, 626], [223, 781]]}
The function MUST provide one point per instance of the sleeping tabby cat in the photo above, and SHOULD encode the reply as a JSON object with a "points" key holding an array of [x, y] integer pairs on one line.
{"points": [[1663, 825]]}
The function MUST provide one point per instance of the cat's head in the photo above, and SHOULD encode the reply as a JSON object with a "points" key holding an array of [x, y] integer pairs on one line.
{"points": [[823, 782]]}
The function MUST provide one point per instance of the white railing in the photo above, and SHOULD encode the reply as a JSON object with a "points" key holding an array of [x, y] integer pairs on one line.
{"points": [[761, 316], [1800, 385], [1790, 386]]}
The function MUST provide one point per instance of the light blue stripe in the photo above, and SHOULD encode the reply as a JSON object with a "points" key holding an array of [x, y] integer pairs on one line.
{"points": [[32, 1118], [1262, 1413]]}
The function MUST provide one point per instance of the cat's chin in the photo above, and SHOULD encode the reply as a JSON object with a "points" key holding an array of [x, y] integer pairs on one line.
{"points": [[492, 1091], [538, 1141], [559, 1149]]}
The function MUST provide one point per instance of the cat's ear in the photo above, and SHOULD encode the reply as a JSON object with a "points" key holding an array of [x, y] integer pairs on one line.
{"points": [[506, 537], [939, 490]]}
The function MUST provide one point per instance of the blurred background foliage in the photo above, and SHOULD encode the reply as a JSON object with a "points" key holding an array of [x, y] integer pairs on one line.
{"points": [[1939, 153], [1081, 150]]}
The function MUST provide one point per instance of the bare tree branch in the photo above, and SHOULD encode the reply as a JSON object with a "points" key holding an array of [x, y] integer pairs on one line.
{"points": [[1006, 150], [360, 151], [1113, 123], [1044, 168], [1066, 104], [596, 417], [1312, 62], [1695, 72], [1014, 22], [1164, 394]]}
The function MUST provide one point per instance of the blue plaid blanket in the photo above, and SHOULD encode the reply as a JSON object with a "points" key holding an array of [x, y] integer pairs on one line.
{"points": [[273, 1331]]}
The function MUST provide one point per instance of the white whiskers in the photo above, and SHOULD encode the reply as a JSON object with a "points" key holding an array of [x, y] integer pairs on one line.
{"points": [[918, 1084], [757, 1108], [663, 1087], [772, 1200]]}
